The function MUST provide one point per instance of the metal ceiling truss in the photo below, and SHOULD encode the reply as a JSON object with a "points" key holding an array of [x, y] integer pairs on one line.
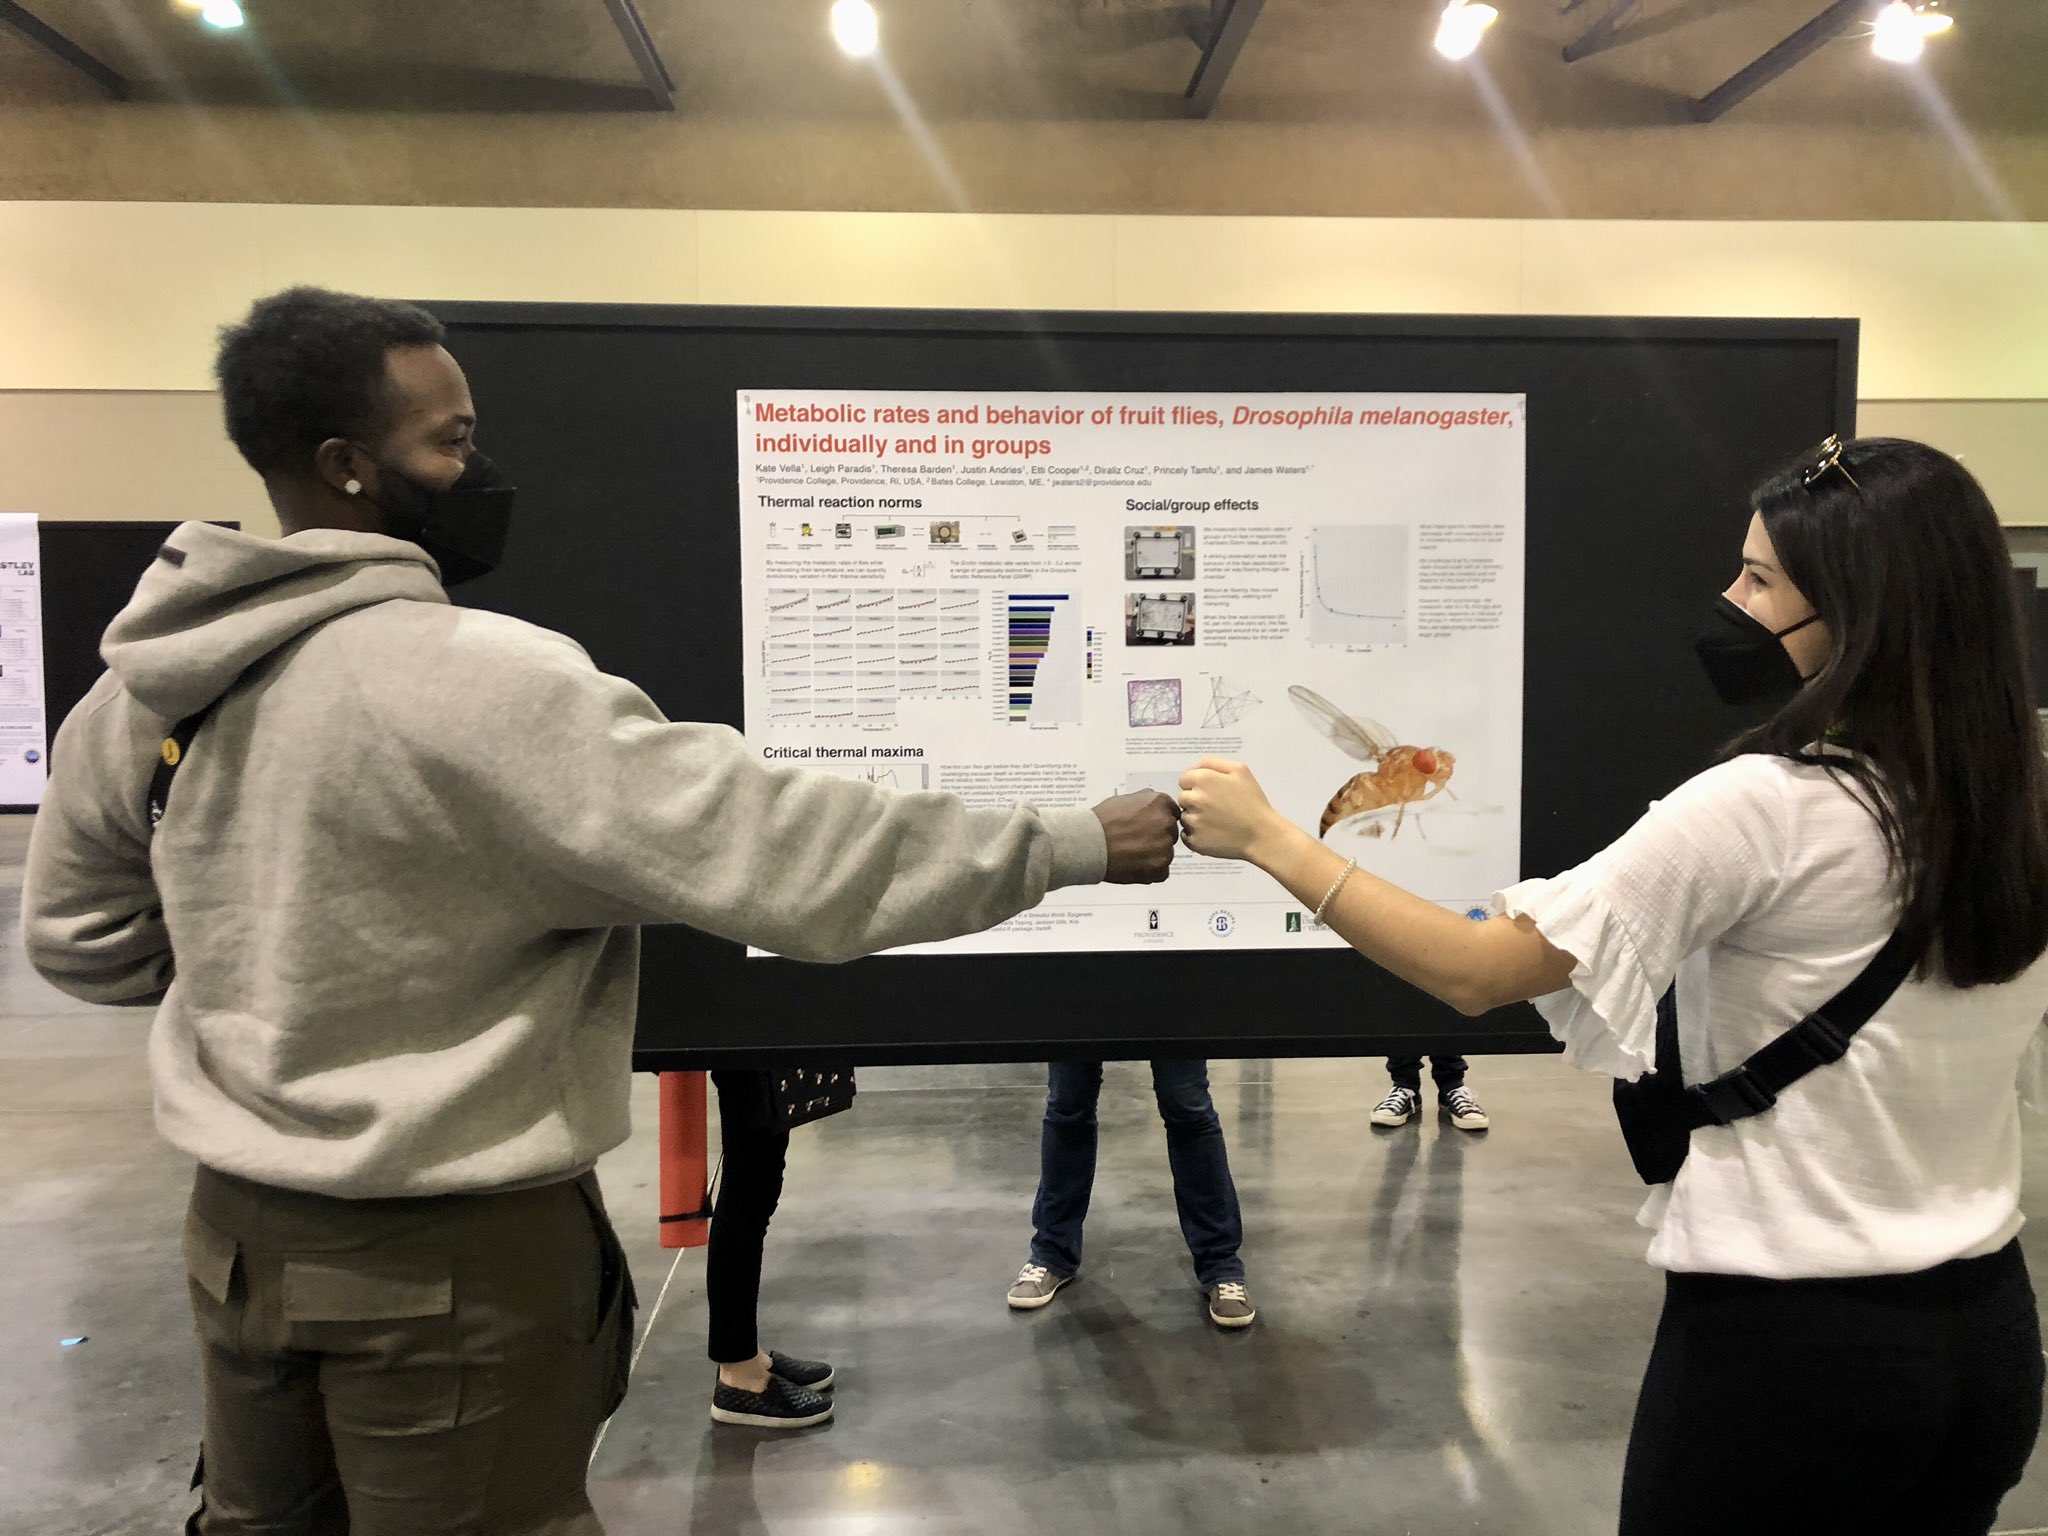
{"points": [[1753, 76], [1796, 49], [51, 41], [1220, 32], [1601, 34], [626, 17]]}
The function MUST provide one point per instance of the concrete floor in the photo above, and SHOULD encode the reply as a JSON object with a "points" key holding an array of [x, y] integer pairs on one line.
{"points": [[1452, 1327]]}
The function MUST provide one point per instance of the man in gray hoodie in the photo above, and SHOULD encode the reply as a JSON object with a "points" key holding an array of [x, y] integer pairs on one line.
{"points": [[389, 918]]}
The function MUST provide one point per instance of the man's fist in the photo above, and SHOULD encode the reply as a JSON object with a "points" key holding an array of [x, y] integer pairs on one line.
{"points": [[1142, 830]]}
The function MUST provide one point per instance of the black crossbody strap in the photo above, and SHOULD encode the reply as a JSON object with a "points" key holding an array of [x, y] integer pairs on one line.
{"points": [[1820, 1038], [179, 742], [172, 753]]}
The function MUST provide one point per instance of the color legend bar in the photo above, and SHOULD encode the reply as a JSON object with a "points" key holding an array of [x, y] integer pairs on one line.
{"points": [[1030, 622]]}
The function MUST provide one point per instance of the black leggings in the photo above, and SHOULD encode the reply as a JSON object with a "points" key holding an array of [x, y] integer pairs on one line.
{"points": [[749, 1189], [1862, 1407]]}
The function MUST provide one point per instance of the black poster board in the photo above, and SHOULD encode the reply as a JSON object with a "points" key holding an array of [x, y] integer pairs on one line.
{"points": [[2036, 610], [2033, 599], [1643, 438], [89, 572]]}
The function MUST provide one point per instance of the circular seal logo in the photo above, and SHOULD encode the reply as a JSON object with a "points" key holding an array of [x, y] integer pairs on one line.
{"points": [[33, 755], [1221, 924]]}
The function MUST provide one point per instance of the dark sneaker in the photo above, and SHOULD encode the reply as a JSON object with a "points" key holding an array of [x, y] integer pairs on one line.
{"points": [[783, 1406], [1230, 1305], [1397, 1108], [1463, 1111], [1034, 1286], [815, 1375]]}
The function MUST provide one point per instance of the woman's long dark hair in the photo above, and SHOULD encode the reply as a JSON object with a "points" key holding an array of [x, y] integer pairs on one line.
{"points": [[1903, 559]]}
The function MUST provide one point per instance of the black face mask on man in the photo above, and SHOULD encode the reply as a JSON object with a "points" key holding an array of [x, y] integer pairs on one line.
{"points": [[1743, 656], [463, 526]]}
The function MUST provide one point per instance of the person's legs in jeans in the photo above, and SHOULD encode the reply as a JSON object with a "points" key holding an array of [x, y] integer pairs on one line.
{"points": [[1406, 1072], [749, 1189], [1447, 1071], [1066, 1164], [1202, 1187]]}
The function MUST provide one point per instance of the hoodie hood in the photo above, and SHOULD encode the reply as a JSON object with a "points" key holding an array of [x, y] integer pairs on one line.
{"points": [[215, 602]]}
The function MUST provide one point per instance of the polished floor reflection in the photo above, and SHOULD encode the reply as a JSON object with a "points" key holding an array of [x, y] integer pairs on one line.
{"points": [[1452, 1327]]}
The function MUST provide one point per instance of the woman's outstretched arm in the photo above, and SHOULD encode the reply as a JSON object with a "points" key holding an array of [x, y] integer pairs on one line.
{"points": [[1473, 966]]}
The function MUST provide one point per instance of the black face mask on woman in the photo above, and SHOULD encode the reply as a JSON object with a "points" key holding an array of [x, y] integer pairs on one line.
{"points": [[1743, 657], [463, 526]]}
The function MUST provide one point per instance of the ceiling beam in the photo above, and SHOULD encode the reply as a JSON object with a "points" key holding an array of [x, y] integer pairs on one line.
{"points": [[626, 17], [1796, 49], [1601, 34], [49, 39], [1230, 23]]}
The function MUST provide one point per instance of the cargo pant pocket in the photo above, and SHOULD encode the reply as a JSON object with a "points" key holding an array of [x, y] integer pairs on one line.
{"points": [[209, 1258], [617, 1302], [391, 1359]]}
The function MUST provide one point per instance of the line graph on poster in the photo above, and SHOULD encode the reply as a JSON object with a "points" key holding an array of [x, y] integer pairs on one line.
{"points": [[1228, 704], [905, 777], [1358, 584]]}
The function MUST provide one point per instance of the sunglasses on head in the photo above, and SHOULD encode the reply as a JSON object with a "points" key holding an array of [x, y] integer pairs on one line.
{"points": [[1829, 457]]}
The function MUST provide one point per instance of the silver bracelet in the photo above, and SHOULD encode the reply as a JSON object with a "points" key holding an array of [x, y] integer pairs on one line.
{"points": [[1331, 894]]}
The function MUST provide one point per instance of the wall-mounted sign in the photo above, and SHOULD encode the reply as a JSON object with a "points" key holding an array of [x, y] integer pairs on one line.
{"points": [[24, 741]]}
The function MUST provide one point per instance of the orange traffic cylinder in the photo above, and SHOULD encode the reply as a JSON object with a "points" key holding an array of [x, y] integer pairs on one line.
{"points": [[683, 1133]]}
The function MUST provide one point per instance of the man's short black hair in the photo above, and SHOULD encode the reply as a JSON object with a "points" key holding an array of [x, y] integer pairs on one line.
{"points": [[308, 364]]}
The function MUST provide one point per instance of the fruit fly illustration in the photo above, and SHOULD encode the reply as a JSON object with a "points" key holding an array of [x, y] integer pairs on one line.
{"points": [[1400, 776]]}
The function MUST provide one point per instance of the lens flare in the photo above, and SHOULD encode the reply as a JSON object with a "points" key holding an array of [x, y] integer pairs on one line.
{"points": [[1900, 33], [1461, 27], [855, 27]]}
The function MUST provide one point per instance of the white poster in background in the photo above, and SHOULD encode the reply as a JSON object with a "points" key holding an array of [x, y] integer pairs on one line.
{"points": [[24, 747], [1057, 597]]}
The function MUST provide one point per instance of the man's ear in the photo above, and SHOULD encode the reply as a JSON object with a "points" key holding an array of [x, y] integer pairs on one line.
{"points": [[342, 465]]}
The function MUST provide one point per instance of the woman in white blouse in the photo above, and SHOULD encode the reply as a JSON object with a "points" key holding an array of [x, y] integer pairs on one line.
{"points": [[1849, 1340]]}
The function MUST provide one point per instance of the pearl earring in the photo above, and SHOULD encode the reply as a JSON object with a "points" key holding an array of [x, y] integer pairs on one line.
{"points": [[354, 487]]}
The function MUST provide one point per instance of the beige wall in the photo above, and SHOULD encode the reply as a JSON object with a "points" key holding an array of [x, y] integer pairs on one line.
{"points": [[108, 310], [128, 295], [129, 456], [2004, 443]]}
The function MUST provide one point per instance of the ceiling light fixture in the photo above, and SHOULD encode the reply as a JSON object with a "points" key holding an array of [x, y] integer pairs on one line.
{"points": [[855, 27], [224, 14], [1462, 26], [1900, 33]]}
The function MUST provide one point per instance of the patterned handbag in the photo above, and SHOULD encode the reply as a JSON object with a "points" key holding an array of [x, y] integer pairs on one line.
{"points": [[799, 1095]]}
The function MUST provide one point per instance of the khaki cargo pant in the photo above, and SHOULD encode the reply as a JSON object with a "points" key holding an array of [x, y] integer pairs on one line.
{"points": [[428, 1367]]}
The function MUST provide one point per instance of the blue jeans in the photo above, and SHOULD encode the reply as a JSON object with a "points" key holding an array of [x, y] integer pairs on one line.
{"points": [[1202, 1189], [1406, 1071]]}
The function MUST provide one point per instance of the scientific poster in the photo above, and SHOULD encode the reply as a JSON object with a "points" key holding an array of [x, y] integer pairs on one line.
{"points": [[24, 749], [1058, 597]]}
